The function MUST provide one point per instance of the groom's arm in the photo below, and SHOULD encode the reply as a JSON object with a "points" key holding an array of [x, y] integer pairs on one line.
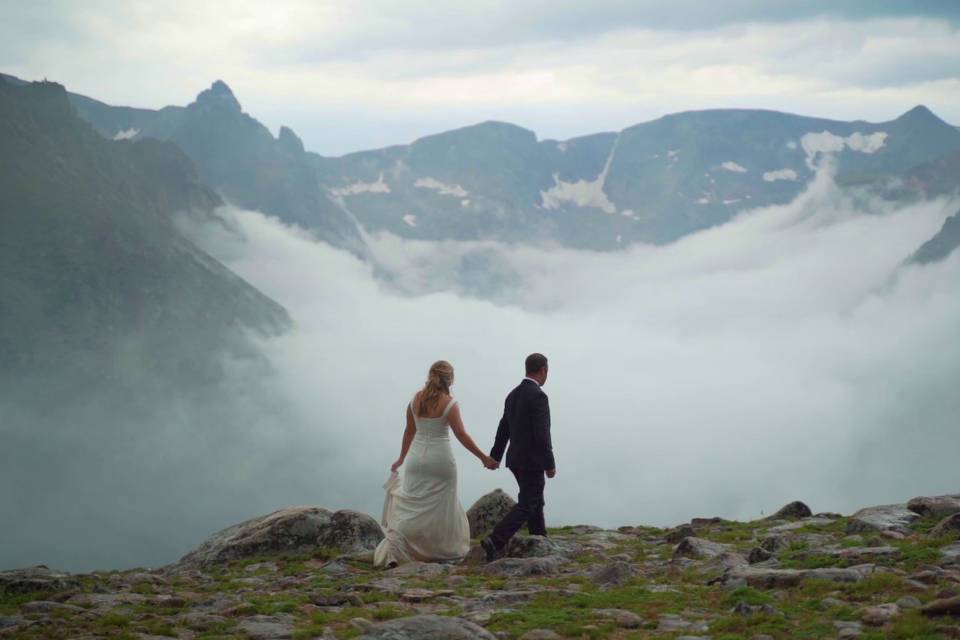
{"points": [[541, 431], [503, 436]]}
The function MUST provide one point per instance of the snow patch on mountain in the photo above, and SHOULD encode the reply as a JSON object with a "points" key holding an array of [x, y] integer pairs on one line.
{"points": [[362, 187], [562, 147], [780, 174], [582, 193], [442, 188], [410, 219], [126, 134], [730, 165]]}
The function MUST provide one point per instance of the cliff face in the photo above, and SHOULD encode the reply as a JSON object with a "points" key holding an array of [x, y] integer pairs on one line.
{"points": [[890, 571], [91, 264]]}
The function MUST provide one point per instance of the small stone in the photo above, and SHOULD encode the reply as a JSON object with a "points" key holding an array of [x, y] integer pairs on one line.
{"points": [[909, 602], [879, 615], [622, 617]]}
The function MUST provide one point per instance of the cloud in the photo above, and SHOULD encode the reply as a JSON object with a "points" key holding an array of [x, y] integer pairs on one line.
{"points": [[390, 73]]}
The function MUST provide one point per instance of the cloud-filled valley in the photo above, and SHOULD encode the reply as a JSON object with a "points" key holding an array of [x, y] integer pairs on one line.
{"points": [[788, 354]]}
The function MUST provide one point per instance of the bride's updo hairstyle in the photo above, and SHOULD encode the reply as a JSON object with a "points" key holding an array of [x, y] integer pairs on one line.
{"points": [[438, 384]]}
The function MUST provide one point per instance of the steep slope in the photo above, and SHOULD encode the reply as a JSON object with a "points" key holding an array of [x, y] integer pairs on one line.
{"points": [[942, 244], [95, 280], [235, 154]]}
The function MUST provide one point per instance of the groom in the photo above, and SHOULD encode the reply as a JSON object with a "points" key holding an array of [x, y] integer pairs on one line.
{"points": [[526, 425]]}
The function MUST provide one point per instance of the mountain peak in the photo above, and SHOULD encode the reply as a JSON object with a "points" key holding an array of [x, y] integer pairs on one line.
{"points": [[218, 96], [290, 141], [919, 113]]}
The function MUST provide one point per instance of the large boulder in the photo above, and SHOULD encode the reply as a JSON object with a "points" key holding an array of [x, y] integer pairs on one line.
{"points": [[38, 578], [935, 506], [298, 529], [950, 524], [889, 517], [427, 627], [792, 511], [488, 511]]}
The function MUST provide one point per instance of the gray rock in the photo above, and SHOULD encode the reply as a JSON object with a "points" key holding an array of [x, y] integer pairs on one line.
{"points": [[621, 617], [747, 610], [47, 607], [201, 621], [276, 627], [951, 553], [699, 548], [879, 615], [614, 573], [675, 535], [38, 578], [759, 554], [420, 569], [540, 547], [935, 506], [486, 512], [290, 529], [786, 578], [942, 607], [517, 567], [909, 602], [852, 553], [427, 627], [950, 524], [894, 517], [791, 511]]}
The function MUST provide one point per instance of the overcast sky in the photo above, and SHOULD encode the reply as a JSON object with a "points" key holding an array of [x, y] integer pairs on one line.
{"points": [[355, 74]]}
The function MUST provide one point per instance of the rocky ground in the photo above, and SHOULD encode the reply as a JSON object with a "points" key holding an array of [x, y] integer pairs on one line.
{"points": [[884, 572]]}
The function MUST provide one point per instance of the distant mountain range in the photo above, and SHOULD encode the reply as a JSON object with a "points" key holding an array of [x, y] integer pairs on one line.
{"points": [[653, 182]]}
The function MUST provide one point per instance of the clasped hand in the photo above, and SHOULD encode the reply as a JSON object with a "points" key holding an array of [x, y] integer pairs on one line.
{"points": [[490, 463]]}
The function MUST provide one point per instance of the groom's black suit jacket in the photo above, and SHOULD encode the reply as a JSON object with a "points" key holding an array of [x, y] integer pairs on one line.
{"points": [[526, 425]]}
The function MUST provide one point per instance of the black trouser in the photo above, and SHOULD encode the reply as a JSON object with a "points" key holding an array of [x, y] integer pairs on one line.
{"points": [[529, 509]]}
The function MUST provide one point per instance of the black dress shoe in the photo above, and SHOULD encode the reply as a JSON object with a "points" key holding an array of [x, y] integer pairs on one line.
{"points": [[489, 550]]}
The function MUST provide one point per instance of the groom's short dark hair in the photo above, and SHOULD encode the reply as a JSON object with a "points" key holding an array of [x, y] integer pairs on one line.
{"points": [[535, 362]]}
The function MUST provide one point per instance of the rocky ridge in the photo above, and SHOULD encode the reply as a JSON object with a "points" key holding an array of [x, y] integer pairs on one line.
{"points": [[890, 571]]}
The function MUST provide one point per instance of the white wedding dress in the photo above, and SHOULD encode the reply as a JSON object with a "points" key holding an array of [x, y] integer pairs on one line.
{"points": [[422, 515]]}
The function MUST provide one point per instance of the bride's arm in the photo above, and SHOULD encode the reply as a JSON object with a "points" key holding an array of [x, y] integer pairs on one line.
{"points": [[408, 434], [456, 423]]}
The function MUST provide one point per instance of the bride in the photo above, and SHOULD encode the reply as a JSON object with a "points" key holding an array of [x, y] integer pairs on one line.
{"points": [[422, 515]]}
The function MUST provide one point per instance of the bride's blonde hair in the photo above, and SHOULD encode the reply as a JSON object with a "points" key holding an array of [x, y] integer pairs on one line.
{"points": [[439, 379]]}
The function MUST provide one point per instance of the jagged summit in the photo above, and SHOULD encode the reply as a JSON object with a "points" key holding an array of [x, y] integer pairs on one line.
{"points": [[290, 141], [218, 96]]}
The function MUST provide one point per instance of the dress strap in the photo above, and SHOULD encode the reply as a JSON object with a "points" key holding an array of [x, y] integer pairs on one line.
{"points": [[446, 409]]}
